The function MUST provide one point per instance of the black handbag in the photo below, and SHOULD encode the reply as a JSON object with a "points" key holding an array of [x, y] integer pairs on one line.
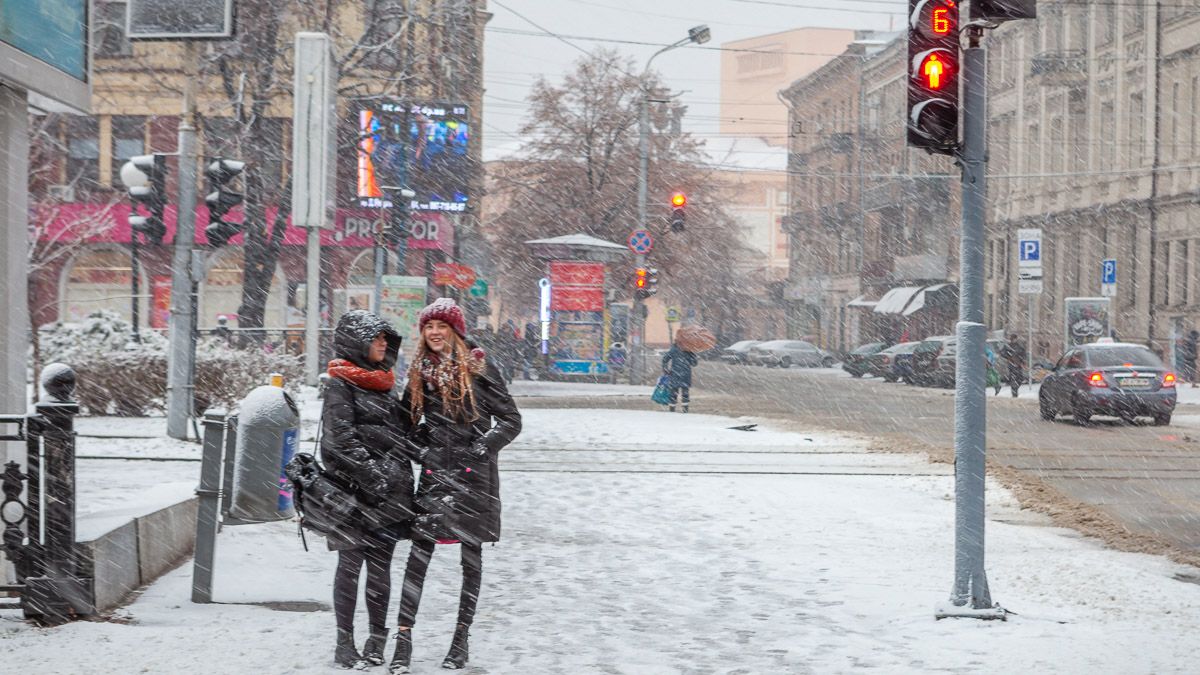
{"points": [[433, 520], [323, 505]]}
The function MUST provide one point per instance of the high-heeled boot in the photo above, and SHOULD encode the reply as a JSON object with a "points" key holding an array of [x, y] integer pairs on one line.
{"points": [[345, 655], [402, 657], [457, 657], [373, 650]]}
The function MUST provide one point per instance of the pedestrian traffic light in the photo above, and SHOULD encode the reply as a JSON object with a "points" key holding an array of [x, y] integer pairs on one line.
{"points": [[678, 217], [651, 281], [641, 283], [933, 78], [146, 178], [221, 200]]}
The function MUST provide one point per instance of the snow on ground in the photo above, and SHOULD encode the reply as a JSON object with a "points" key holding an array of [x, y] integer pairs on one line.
{"points": [[535, 388], [640, 572]]}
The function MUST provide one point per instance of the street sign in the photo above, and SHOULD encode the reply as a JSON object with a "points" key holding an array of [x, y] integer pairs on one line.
{"points": [[640, 242], [1108, 278], [673, 315], [453, 274], [479, 289], [1029, 261]]}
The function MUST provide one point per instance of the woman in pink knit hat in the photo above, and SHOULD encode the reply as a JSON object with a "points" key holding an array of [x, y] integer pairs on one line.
{"points": [[462, 417]]}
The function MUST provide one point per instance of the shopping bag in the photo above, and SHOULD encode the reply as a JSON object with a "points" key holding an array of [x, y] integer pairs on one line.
{"points": [[662, 395]]}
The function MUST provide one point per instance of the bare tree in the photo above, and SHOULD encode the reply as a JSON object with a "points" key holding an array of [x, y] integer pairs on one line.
{"points": [[578, 173]]}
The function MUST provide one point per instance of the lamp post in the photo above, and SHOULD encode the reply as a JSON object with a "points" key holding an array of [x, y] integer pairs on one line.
{"points": [[697, 35]]}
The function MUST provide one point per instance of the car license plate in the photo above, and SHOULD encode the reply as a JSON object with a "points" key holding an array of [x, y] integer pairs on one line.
{"points": [[1135, 383]]}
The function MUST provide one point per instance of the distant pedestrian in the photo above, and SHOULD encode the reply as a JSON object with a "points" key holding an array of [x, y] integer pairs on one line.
{"points": [[1188, 357], [1014, 355], [363, 449], [677, 366], [530, 350], [993, 373], [464, 416]]}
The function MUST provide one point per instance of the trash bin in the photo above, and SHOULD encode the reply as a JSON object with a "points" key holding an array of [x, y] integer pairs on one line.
{"points": [[267, 432]]}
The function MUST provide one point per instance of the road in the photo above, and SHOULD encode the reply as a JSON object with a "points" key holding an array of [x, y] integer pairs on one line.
{"points": [[1146, 477]]}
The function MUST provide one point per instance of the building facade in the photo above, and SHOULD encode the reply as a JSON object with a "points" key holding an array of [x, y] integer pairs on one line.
{"points": [[81, 261], [1094, 139]]}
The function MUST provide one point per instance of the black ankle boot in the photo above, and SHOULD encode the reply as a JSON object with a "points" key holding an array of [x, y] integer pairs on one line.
{"points": [[403, 654], [457, 658], [373, 650], [345, 655]]}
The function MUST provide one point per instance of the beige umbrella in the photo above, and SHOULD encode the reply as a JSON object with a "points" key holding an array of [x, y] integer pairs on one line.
{"points": [[693, 338]]}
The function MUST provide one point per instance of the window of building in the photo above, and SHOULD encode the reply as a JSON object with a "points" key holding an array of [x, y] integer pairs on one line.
{"points": [[100, 279], [129, 140], [108, 32], [1137, 130], [83, 151], [1106, 22]]}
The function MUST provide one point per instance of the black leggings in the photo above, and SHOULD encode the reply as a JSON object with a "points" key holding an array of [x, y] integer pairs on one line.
{"points": [[684, 392], [414, 581], [378, 560]]}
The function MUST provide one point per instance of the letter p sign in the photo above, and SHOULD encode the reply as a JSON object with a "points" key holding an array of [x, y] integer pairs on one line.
{"points": [[1031, 250]]}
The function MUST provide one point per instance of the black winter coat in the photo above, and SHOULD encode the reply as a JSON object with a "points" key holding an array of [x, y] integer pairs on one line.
{"points": [[460, 465], [363, 443]]}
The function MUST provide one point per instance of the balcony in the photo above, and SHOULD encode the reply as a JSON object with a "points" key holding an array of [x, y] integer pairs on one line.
{"points": [[1059, 67]]}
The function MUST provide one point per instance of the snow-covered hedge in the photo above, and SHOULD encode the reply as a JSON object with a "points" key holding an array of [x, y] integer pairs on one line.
{"points": [[118, 376]]}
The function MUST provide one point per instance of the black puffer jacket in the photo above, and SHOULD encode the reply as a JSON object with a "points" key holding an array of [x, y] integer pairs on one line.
{"points": [[460, 466], [363, 439]]}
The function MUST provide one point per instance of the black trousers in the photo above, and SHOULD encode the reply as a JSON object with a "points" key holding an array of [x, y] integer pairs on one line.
{"points": [[414, 581], [378, 561], [681, 392]]}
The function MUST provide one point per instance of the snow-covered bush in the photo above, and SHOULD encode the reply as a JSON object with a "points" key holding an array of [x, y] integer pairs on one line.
{"points": [[119, 376]]}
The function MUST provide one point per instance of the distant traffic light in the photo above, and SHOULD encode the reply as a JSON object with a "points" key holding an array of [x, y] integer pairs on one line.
{"points": [[678, 216], [641, 283], [221, 200], [933, 78], [146, 178], [651, 281]]}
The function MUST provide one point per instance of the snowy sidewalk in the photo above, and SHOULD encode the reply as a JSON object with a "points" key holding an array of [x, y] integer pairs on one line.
{"points": [[829, 559]]}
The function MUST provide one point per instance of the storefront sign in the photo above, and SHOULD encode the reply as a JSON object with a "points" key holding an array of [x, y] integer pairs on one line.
{"points": [[160, 312]]}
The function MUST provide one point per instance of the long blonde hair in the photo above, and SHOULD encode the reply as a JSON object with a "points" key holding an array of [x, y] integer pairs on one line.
{"points": [[452, 377]]}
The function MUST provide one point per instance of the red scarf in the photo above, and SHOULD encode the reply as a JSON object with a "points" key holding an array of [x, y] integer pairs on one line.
{"points": [[374, 380]]}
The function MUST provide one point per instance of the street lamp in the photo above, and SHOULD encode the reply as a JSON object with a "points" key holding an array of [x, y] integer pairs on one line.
{"points": [[696, 35]]}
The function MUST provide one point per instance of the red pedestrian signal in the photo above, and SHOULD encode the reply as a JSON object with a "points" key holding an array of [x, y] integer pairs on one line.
{"points": [[933, 62]]}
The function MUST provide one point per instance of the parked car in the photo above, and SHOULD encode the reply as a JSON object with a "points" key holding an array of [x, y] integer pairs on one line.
{"points": [[1116, 378], [736, 353], [945, 371], [924, 365], [785, 353], [893, 363], [856, 361]]}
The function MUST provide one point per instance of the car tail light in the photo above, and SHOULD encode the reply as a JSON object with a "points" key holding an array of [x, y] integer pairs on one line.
{"points": [[1097, 380], [1169, 380]]}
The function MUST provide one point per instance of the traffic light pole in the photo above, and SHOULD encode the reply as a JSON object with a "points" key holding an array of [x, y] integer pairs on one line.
{"points": [[637, 323], [134, 284], [181, 338], [970, 596]]}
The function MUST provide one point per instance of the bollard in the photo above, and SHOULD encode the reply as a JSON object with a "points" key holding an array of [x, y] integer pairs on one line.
{"points": [[209, 494], [267, 431]]}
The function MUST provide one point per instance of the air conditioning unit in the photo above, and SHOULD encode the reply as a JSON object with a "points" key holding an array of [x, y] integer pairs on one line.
{"points": [[62, 193]]}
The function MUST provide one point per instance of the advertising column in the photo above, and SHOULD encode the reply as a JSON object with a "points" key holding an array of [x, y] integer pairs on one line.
{"points": [[577, 318]]}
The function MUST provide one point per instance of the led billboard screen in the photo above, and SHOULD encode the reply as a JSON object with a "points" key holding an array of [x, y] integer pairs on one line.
{"points": [[51, 31], [423, 147]]}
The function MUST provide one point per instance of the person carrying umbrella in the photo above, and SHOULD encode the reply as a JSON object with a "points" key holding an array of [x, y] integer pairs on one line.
{"points": [[678, 362]]}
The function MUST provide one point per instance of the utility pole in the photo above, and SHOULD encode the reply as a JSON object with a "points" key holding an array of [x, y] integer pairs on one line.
{"points": [[182, 331], [637, 322]]}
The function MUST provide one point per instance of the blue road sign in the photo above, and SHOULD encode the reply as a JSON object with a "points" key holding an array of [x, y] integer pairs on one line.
{"points": [[1031, 250], [1109, 275], [640, 242]]}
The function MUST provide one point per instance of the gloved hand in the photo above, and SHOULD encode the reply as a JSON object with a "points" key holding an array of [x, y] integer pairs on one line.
{"points": [[478, 450]]}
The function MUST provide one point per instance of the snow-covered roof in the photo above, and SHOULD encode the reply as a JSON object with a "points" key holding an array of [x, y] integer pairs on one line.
{"points": [[575, 240], [895, 300], [736, 154]]}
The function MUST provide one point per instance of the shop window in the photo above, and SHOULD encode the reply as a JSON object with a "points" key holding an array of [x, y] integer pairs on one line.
{"points": [[100, 279], [221, 292], [83, 151]]}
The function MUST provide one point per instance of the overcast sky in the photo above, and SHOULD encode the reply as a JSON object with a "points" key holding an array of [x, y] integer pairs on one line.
{"points": [[514, 61]]}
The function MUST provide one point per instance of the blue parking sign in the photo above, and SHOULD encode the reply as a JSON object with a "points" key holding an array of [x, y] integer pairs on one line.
{"points": [[1109, 275], [1031, 250]]}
